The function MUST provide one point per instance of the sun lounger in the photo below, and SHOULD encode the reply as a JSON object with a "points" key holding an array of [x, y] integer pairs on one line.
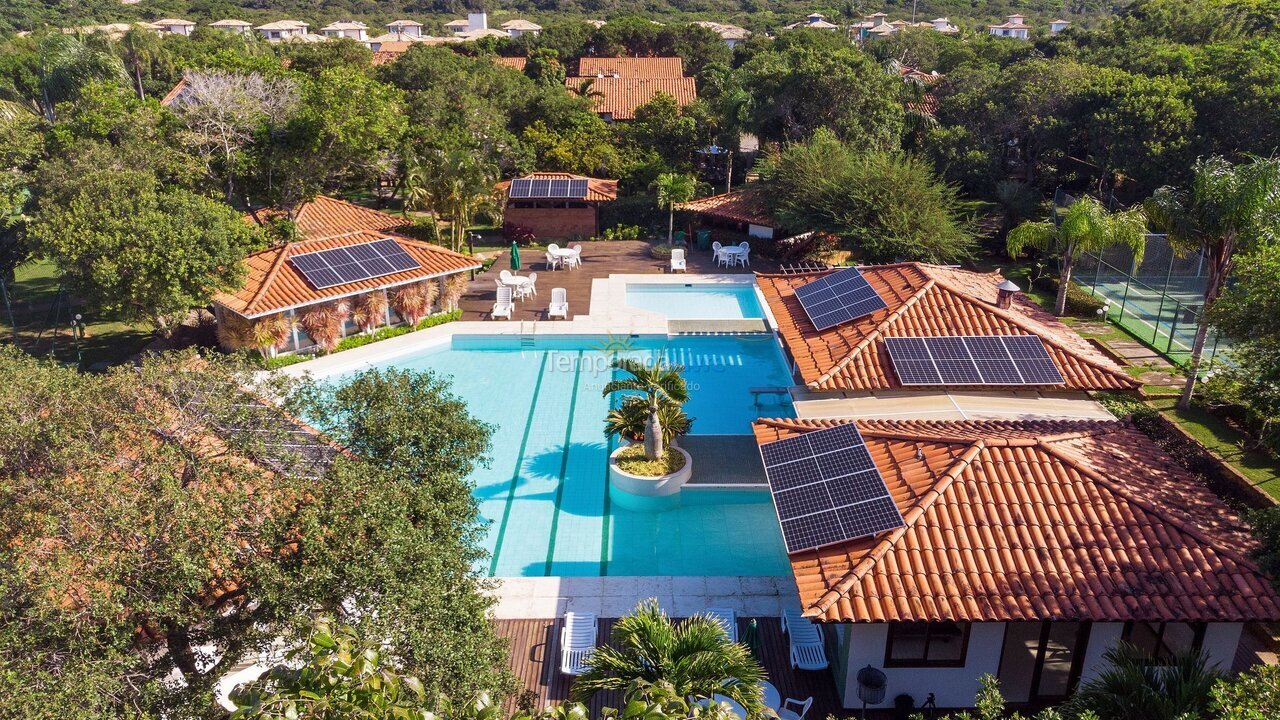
{"points": [[504, 305], [559, 306], [807, 651], [577, 639]]}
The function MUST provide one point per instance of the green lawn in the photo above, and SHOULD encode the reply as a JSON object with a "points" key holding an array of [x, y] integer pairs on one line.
{"points": [[1262, 468], [42, 316]]}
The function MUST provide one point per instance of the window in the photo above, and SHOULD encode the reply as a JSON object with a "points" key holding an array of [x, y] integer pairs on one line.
{"points": [[940, 644], [1160, 641]]}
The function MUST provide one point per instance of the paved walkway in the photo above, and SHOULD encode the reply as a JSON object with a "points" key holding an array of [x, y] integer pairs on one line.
{"points": [[544, 597]]}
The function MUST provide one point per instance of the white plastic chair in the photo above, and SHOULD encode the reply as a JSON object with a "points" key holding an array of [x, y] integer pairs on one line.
{"points": [[744, 255], [504, 305], [559, 306], [727, 618], [807, 651], [677, 260], [553, 262], [793, 709], [715, 252], [529, 286], [574, 261], [577, 639]]}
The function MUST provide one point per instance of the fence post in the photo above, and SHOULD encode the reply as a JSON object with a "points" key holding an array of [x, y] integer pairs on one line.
{"points": [[1173, 327], [1124, 299]]}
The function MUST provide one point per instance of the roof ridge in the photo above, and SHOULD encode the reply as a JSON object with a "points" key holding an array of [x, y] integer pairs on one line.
{"points": [[874, 334], [910, 518], [1022, 322], [271, 275], [1146, 505]]}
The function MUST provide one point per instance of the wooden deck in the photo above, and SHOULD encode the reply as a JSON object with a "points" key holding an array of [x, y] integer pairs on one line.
{"points": [[600, 259], [534, 658]]}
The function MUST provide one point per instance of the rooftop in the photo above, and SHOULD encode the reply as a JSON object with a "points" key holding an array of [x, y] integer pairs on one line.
{"points": [[1033, 520], [619, 96], [230, 23], [924, 301], [326, 216], [745, 206], [522, 25], [403, 23], [174, 21], [346, 25], [515, 63], [597, 190], [647, 68], [284, 25]]}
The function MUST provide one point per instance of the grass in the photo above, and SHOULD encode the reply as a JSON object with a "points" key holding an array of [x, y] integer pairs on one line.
{"points": [[1262, 468], [42, 317], [632, 460]]}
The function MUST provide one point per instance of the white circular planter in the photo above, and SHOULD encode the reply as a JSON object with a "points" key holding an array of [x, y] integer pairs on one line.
{"points": [[644, 494]]}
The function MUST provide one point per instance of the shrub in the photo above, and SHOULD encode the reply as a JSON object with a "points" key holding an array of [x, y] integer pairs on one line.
{"points": [[518, 233], [1080, 302], [661, 251], [622, 232]]}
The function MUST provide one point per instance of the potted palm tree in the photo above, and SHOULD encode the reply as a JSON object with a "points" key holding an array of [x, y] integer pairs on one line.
{"points": [[648, 420]]}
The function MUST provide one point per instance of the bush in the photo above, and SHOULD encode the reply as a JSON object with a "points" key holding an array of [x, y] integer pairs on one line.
{"points": [[641, 210], [518, 233], [1080, 302], [1125, 405], [622, 232], [661, 251]]}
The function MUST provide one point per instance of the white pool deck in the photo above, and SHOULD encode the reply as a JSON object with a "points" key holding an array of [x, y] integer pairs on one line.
{"points": [[681, 596]]}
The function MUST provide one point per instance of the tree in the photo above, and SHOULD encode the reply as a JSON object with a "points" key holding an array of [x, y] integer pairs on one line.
{"points": [[67, 64], [141, 47], [658, 384], [1226, 209], [673, 189], [456, 183], [1251, 695], [695, 656], [183, 533], [342, 675], [884, 206], [1085, 227], [125, 244], [1132, 688]]}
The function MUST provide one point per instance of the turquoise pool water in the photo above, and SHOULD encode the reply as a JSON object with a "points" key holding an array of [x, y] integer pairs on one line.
{"points": [[546, 491], [696, 301]]}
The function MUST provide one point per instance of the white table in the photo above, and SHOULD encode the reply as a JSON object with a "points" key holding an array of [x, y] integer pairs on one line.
{"points": [[771, 696], [516, 283], [734, 707], [563, 254], [733, 254]]}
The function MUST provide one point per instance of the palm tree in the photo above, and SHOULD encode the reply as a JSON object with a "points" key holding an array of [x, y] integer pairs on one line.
{"points": [[694, 656], [67, 64], [141, 47], [657, 384], [1228, 209], [587, 89], [1132, 688], [673, 189], [454, 183], [417, 193], [1086, 227]]}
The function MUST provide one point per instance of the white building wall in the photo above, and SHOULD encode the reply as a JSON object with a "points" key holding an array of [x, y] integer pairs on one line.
{"points": [[1102, 636], [1221, 640], [951, 687], [760, 231]]}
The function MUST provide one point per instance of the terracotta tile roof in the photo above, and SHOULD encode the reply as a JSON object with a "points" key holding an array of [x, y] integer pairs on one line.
{"points": [[390, 51], [619, 97], [598, 190], [176, 96], [515, 63], [1033, 520], [746, 206], [646, 68], [924, 301], [328, 216], [272, 284]]}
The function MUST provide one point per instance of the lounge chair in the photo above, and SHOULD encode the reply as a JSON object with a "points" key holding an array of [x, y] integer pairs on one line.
{"points": [[577, 639], [677, 260], [504, 305], [793, 709], [727, 618], [559, 306], [807, 651]]}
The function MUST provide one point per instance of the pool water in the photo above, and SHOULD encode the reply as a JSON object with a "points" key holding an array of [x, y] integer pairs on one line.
{"points": [[696, 301], [546, 491]]}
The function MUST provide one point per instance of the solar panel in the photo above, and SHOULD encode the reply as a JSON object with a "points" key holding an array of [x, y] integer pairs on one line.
{"points": [[548, 188], [826, 488], [838, 297], [973, 360], [338, 266], [578, 189], [520, 188]]}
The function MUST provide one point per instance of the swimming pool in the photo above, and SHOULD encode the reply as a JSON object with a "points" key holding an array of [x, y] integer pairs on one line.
{"points": [[696, 301], [546, 491]]}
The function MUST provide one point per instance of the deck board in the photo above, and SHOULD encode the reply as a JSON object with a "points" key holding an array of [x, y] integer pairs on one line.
{"points": [[534, 659]]}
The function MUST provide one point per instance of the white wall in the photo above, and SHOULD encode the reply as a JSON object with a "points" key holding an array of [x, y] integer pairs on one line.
{"points": [[760, 231], [1221, 640], [952, 687]]}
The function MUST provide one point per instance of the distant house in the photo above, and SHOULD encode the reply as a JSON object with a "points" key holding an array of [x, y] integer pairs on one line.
{"points": [[743, 211], [816, 21], [180, 94], [515, 63], [351, 29], [731, 34], [281, 281], [390, 51], [1057, 26], [173, 26], [557, 205], [408, 28], [1014, 26], [943, 25], [516, 28], [457, 27], [627, 67], [238, 27], [876, 25], [283, 30], [620, 85]]}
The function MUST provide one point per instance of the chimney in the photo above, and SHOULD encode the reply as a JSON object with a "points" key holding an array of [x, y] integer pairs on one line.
{"points": [[477, 21], [1004, 294]]}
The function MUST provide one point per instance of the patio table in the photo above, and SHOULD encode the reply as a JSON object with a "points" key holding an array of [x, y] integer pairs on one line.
{"points": [[733, 253], [772, 698]]}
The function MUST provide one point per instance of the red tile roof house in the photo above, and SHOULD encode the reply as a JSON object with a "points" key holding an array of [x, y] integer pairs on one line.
{"points": [[554, 214], [624, 84], [278, 283], [1029, 543]]}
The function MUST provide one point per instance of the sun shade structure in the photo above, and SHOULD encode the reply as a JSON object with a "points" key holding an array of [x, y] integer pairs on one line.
{"points": [[1032, 520], [983, 360], [924, 301], [826, 489], [838, 297]]}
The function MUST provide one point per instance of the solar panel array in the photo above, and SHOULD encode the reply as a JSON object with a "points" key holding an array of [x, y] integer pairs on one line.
{"points": [[338, 266], [826, 488], [838, 297], [972, 360], [548, 188]]}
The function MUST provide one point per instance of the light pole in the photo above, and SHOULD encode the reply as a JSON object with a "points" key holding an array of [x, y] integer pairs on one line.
{"points": [[77, 334]]}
